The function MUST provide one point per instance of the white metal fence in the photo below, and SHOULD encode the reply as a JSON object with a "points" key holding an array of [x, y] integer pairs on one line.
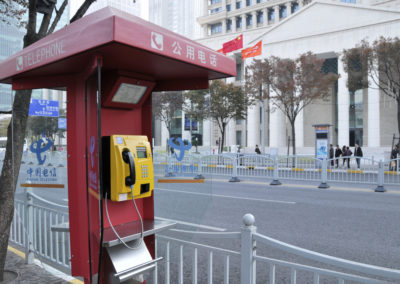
{"points": [[186, 261], [344, 169]]}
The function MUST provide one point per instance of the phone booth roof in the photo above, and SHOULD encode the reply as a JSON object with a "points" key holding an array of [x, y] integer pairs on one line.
{"points": [[124, 42]]}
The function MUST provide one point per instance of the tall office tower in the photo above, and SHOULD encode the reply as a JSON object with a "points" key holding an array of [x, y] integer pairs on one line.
{"points": [[178, 16], [10, 42]]}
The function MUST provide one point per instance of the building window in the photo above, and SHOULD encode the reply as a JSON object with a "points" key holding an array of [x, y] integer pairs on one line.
{"points": [[260, 18], [348, 1], [282, 12], [239, 121], [215, 2], [216, 28], [239, 5], [229, 25], [259, 1], [239, 138], [249, 20], [271, 15], [216, 10], [228, 7], [238, 23], [295, 7], [249, 2]]}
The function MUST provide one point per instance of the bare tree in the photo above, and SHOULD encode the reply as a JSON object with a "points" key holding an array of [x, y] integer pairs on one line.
{"points": [[227, 102], [20, 108], [381, 62], [165, 105], [290, 84]]}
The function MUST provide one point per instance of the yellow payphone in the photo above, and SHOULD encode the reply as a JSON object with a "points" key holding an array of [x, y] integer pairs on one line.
{"points": [[127, 161]]}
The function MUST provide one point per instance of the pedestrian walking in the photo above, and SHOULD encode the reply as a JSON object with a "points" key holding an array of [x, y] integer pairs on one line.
{"points": [[331, 155], [358, 154], [258, 150], [338, 153], [348, 155], [393, 157]]}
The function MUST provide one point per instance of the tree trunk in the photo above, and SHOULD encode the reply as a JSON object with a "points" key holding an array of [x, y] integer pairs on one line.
{"points": [[293, 138], [223, 138], [10, 170], [398, 115]]}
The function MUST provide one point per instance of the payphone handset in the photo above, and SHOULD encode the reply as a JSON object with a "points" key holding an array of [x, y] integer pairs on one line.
{"points": [[130, 164]]}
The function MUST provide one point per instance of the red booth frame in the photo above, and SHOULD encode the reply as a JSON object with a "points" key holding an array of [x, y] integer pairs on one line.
{"points": [[126, 48]]}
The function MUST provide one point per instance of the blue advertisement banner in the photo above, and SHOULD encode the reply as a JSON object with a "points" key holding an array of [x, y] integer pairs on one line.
{"points": [[44, 108]]}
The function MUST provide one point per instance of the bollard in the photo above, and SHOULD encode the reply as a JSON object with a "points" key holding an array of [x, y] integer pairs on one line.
{"points": [[248, 250], [381, 176], [275, 180], [234, 177], [324, 174], [29, 249], [199, 171]]}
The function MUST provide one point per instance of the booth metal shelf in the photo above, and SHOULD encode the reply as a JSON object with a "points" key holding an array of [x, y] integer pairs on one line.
{"points": [[131, 231]]}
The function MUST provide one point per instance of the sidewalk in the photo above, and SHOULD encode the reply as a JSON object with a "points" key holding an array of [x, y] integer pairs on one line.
{"points": [[28, 273]]}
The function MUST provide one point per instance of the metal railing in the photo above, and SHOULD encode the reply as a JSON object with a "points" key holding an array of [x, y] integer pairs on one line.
{"points": [[32, 229], [186, 261], [344, 169]]}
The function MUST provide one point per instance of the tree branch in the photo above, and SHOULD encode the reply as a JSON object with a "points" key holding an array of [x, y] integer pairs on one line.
{"points": [[58, 17], [82, 10]]}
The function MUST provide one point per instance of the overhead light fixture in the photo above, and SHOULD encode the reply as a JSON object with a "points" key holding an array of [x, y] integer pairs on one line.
{"points": [[126, 92]]}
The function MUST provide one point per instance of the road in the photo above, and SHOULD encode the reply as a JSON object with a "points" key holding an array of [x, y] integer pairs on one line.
{"points": [[349, 221]]}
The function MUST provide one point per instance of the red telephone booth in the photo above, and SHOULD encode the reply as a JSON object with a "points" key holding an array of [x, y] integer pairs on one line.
{"points": [[109, 63]]}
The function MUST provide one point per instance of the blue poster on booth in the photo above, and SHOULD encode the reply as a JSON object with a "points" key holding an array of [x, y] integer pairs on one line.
{"points": [[44, 108]]}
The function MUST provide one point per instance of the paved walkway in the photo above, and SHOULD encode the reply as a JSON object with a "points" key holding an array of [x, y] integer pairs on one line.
{"points": [[28, 273]]}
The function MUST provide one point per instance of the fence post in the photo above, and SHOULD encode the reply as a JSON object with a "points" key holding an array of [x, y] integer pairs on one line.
{"points": [[275, 180], [381, 176], [29, 248], [170, 172], [234, 177], [247, 251], [324, 174], [199, 170]]}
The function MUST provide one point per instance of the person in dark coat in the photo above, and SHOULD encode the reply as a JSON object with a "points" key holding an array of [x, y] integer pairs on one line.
{"points": [[393, 157], [258, 150], [331, 155], [344, 150], [348, 155], [338, 153], [358, 153]]}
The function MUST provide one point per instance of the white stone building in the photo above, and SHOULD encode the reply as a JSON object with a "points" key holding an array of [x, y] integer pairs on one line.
{"points": [[325, 28]]}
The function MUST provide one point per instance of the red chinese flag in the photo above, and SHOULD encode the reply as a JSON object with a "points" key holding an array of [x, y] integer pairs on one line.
{"points": [[232, 45], [252, 51]]}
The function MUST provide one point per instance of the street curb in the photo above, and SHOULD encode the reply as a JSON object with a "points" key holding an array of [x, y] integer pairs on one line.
{"points": [[59, 274]]}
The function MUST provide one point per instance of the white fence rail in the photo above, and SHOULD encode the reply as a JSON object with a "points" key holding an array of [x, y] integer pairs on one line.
{"points": [[186, 261], [344, 169]]}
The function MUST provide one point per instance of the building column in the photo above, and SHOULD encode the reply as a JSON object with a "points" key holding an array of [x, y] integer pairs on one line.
{"points": [[231, 133], [224, 26], [233, 5], [254, 18], [288, 9], [234, 24], [301, 4], [373, 116], [276, 14], [265, 16], [277, 127], [207, 132], [343, 106], [164, 134], [299, 127], [223, 5], [244, 26], [205, 30], [253, 125], [205, 11]]}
